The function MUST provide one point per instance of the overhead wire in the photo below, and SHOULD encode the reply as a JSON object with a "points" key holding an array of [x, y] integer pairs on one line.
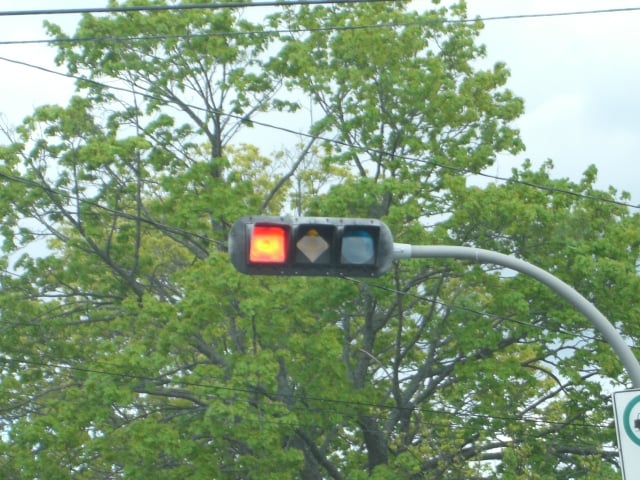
{"points": [[571, 13], [301, 134], [350, 27], [229, 34], [67, 364], [288, 130], [288, 3], [122, 375], [305, 400], [426, 22], [323, 405], [462, 308], [117, 213], [335, 141], [183, 6]]}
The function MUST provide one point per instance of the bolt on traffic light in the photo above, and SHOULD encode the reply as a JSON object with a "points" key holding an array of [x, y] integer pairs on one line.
{"points": [[312, 246]]}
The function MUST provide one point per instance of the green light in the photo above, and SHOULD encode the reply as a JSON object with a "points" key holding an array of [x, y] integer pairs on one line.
{"points": [[358, 248]]}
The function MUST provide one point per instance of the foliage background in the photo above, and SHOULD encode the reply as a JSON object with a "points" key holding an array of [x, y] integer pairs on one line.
{"points": [[131, 348]]}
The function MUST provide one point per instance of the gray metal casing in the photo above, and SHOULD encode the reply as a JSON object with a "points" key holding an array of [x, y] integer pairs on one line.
{"points": [[240, 238]]}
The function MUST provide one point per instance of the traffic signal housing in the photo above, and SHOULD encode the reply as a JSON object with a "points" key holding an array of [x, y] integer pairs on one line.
{"points": [[313, 246]]}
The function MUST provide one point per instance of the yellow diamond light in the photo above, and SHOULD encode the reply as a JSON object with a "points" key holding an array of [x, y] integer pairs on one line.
{"points": [[312, 245]]}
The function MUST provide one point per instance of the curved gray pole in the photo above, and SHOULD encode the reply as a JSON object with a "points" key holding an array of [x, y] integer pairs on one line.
{"points": [[585, 307]]}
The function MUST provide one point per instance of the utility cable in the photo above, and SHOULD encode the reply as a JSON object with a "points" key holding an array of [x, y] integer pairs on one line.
{"points": [[322, 399], [275, 32], [117, 213], [342, 143], [572, 13], [184, 6], [228, 34], [304, 399], [496, 317], [287, 3]]}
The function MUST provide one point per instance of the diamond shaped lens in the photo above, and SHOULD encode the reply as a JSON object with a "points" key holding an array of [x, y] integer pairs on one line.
{"points": [[313, 244]]}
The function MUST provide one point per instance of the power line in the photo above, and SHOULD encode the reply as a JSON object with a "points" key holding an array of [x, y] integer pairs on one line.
{"points": [[227, 34], [343, 143], [452, 306], [301, 398], [286, 3], [554, 14], [352, 146], [181, 7], [303, 30], [117, 213], [60, 363]]}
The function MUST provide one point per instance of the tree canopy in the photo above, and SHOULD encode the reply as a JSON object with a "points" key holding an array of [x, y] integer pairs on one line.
{"points": [[130, 347]]}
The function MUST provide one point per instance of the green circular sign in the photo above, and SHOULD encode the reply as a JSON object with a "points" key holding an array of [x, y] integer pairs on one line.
{"points": [[627, 421]]}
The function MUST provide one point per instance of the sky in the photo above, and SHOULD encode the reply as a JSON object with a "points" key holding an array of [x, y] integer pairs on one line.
{"points": [[578, 76]]}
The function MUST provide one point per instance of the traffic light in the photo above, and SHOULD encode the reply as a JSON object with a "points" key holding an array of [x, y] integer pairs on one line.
{"points": [[314, 246]]}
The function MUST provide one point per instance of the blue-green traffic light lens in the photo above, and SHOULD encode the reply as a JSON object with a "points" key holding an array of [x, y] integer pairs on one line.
{"points": [[358, 248]]}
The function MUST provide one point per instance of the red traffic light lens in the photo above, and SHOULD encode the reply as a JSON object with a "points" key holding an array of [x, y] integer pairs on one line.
{"points": [[268, 244]]}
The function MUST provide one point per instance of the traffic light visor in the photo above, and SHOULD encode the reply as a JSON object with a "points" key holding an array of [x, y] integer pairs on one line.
{"points": [[268, 244]]}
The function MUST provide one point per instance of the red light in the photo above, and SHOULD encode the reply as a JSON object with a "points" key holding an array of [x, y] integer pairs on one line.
{"points": [[268, 244]]}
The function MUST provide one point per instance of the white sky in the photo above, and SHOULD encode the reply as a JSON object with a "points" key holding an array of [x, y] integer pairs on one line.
{"points": [[578, 75]]}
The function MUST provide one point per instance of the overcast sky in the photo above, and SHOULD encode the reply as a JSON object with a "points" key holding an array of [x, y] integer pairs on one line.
{"points": [[578, 75]]}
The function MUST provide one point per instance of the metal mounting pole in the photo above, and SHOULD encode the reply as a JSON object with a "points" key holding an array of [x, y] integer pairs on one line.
{"points": [[585, 307]]}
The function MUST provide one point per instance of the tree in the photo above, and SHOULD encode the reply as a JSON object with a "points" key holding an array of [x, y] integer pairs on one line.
{"points": [[132, 349]]}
